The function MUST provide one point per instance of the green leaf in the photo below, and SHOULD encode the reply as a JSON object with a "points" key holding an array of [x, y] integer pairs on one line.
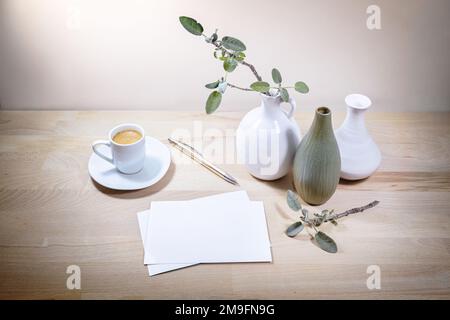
{"points": [[233, 44], [212, 85], [305, 212], [294, 229], [223, 85], [191, 25], [213, 102], [318, 222], [240, 56], [301, 87], [293, 201], [229, 64], [214, 37], [284, 95], [224, 56], [325, 242], [276, 76], [260, 86]]}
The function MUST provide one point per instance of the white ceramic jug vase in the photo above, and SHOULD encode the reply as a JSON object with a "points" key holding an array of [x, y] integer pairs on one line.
{"points": [[267, 139], [360, 156]]}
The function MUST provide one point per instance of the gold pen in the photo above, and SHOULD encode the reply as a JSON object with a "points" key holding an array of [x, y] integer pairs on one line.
{"points": [[197, 157]]}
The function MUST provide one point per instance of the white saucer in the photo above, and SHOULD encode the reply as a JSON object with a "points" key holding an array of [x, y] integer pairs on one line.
{"points": [[156, 165]]}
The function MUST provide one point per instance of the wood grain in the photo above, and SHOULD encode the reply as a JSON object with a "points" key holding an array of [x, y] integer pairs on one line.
{"points": [[53, 215]]}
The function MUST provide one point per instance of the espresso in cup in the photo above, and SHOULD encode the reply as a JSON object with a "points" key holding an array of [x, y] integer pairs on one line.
{"points": [[127, 136], [127, 144]]}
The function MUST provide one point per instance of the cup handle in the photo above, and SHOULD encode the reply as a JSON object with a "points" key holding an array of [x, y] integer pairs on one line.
{"points": [[96, 144], [292, 109]]}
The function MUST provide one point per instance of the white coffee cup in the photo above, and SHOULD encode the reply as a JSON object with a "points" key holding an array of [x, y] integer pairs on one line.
{"points": [[127, 158]]}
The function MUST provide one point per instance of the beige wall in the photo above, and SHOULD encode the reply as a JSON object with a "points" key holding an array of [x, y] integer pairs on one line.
{"points": [[111, 54]]}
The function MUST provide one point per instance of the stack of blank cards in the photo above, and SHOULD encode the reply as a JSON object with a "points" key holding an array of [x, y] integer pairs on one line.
{"points": [[223, 228]]}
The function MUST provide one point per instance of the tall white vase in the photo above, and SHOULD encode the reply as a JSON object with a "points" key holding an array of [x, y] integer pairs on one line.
{"points": [[267, 139], [360, 156]]}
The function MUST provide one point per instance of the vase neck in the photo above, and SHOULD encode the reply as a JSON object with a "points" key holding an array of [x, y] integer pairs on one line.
{"points": [[355, 119], [322, 126], [270, 104]]}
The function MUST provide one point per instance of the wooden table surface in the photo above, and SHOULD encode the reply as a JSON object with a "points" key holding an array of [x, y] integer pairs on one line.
{"points": [[53, 215]]}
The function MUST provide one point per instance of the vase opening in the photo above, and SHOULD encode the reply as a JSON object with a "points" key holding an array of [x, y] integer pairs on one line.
{"points": [[324, 111], [358, 101], [272, 95]]}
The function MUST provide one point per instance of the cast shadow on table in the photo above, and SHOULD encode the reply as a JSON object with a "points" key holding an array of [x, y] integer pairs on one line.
{"points": [[352, 182], [135, 194], [284, 183], [287, 182]]}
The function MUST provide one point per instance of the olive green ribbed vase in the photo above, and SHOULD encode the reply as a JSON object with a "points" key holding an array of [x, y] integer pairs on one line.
{"points": [[317, 163]]}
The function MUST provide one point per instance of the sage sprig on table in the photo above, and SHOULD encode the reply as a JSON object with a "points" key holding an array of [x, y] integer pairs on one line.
{"points": [[230, 51], [312, 221]]}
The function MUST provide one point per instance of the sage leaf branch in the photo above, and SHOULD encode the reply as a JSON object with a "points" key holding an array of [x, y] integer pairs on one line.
{"points": [[313, 220], [230, 51]]}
